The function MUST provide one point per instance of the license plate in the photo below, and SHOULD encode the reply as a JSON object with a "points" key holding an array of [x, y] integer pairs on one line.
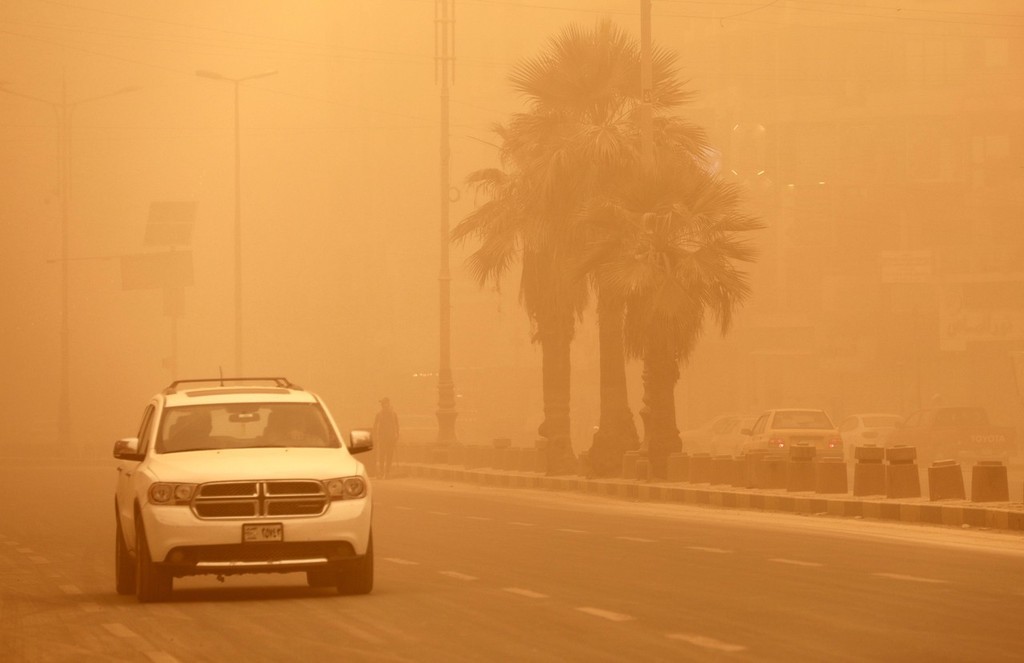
{"points": [[256, 532]]}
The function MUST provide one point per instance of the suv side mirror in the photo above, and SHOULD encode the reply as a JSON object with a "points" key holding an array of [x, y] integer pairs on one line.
{"points": [[127, 448], [359, 441]]}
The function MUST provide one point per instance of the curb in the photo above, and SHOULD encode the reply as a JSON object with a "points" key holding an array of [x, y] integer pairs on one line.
{"points": [[954, 513]]}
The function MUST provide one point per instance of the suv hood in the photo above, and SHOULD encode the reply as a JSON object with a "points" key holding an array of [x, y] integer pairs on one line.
{"points": [[240, 464]]}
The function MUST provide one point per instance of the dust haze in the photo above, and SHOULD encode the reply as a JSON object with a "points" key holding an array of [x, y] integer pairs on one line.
{"points": [[881, 143]]}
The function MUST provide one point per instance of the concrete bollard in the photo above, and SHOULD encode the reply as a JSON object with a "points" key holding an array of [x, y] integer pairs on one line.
{"points": [[721, 470], [678, 466], [989, 482], [945, 481], [830, 476], [901, 475], [629, 460], [643, 468], [800, 472], [700, 468], [528, 459], [751, 474], [868, 472], [773, 471]]}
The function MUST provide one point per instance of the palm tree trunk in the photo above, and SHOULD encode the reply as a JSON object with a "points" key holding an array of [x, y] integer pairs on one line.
{"points": [[555, 335], [661, 434], [616, 432]]}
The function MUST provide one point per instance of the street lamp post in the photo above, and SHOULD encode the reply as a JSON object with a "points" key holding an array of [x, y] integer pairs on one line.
{"points": [[445, 71], [238, 205], [63, 110]]}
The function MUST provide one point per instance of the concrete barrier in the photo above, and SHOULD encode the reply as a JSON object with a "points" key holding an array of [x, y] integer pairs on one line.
{"points": [[800, 473], [989, 482], [721, 470], [629, 464], [700, 468], [868, 471], [528, 459], [945, 481], [753, 475], [830, 476], [901, 475], [774, 471], [643, 469], [678, 466]]}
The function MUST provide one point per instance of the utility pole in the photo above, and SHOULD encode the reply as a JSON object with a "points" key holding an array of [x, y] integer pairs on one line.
{"points": [[646, 128], [237, 82], [444, 71], [63, 110]]}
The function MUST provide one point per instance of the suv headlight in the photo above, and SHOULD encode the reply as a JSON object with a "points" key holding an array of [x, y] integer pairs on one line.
{"points": [[171, 493], [346, 488]]}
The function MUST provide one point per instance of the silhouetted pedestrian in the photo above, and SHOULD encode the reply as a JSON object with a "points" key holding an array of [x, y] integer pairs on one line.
{"points": [[385, 437]]}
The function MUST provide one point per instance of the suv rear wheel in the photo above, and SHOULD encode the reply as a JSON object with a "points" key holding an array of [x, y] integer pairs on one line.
{"points": [[124, 565]]}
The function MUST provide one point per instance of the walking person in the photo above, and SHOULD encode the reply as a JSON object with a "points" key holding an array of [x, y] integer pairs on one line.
{"points": [[385, 436]]}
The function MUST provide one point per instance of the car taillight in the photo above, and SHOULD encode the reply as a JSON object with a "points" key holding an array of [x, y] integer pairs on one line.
{"points": [[777, 442], [835, 443]]}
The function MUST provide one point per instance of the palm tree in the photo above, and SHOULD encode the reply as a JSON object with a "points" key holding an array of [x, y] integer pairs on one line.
{"points": [[677, 234], [578, 138], [511, 226], [582, 127]]}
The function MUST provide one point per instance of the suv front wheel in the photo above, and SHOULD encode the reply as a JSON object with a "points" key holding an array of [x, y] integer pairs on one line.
{"points": [[152, 583], [356, 576]]}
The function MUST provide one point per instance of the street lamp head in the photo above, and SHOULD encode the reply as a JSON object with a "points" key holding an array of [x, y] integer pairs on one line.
{"points": [[263, 75], [205, 73]]}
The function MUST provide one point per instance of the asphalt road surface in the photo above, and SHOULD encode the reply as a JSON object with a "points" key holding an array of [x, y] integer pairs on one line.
{"points": [[468, 573]]}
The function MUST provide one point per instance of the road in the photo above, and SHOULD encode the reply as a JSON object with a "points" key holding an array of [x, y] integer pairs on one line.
{"points": [[468, 573]]}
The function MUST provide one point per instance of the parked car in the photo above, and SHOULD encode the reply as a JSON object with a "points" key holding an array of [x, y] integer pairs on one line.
{"points": [[956, 433], [719, 435], [779, 429], [228, 477], [868, 428]]}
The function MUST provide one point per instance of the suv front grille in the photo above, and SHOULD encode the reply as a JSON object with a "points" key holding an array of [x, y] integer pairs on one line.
{"points": [[258, 499]]}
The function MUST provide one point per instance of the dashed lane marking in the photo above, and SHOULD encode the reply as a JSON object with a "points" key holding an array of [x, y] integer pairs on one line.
{"points": [[521, 524], [705, 642], [606, 614], [439, 513], [573, 531], [399, 560], [70, 589], [479, 518], [795, 562], [525, 592], [635, 539], [900, 576], [457, 575], [160, 657], [709, 550], [120, 630]]}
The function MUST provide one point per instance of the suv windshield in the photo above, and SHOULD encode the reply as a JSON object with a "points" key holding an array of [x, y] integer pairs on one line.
{"points": [[240, 425]]}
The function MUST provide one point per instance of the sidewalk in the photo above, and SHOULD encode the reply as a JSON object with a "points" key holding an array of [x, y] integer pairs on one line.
{"points": [[949, 512]]}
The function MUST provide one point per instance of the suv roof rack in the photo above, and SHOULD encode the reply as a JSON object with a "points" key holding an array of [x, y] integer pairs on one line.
{"points": [[223, 382]]}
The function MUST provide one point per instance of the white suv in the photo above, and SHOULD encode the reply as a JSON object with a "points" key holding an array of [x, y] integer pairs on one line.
{"points": [[243, 475]]}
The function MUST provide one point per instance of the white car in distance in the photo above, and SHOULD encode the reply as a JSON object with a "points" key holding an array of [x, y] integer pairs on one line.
{"points": [[242, 475]]}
